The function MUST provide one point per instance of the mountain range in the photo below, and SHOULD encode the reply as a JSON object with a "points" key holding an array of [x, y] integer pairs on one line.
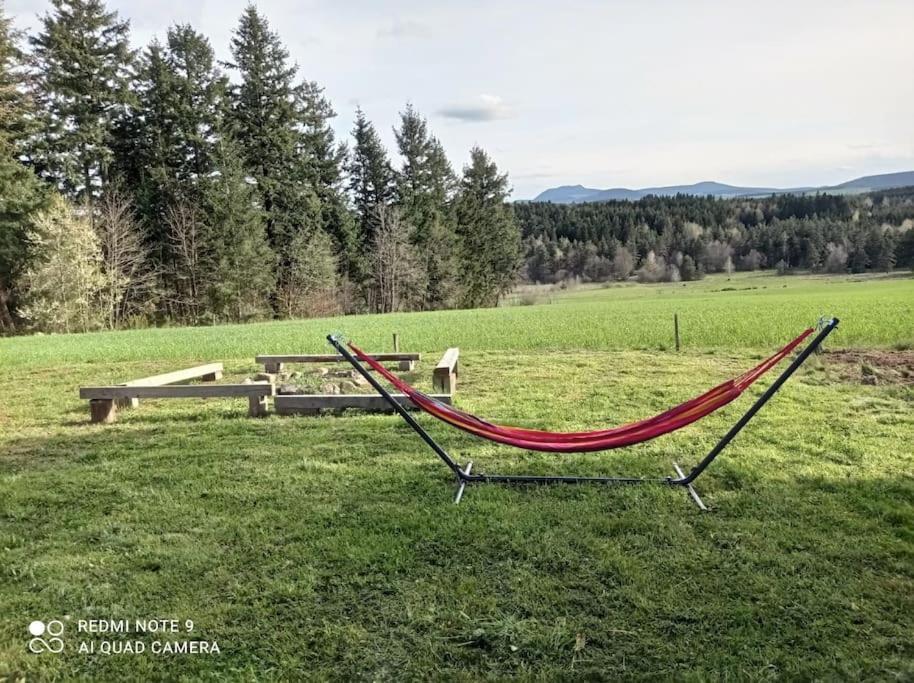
{"points": [[574, 194]]}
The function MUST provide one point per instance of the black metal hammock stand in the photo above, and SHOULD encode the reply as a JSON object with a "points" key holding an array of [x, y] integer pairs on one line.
{"points": [[604, 439]]}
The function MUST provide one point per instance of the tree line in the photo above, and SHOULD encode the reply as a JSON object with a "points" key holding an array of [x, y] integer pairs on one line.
{"points": [[147, 186], [684, 237]]}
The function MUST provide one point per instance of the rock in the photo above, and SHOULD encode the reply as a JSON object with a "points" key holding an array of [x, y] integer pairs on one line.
{"points": [[869, 379], [330, 388], [348, 386], [248, 380], [265, 377], [322, 372], [287, 389], [356, 377]]}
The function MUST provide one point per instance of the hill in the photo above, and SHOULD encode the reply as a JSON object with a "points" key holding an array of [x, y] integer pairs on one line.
{"points": [[573, 194]]}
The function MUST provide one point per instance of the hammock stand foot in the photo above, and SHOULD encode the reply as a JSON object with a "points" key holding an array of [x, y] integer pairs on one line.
{"points": [[462, 481], [689, 487]]}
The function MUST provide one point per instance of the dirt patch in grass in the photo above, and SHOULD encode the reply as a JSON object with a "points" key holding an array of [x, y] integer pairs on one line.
{"points": [[873, 367]]}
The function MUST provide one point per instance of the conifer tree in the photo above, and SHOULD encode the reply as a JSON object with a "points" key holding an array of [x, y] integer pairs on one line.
{"points": [[169, 147], [21, 193], [83, 60], [326, 161], [267, 122], [241, 265], [425, 183], [371, 179], [487, 232]]}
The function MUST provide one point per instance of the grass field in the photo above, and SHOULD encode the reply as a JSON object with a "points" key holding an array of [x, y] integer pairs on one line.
{"points": [[329, 548]]}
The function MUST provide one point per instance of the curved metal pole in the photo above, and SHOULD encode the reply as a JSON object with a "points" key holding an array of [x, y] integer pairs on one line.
{"points": [[762, 400]]}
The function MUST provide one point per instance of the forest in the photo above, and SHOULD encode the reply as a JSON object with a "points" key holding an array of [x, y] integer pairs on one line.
{"points": [[683, 237], [162, 186]]}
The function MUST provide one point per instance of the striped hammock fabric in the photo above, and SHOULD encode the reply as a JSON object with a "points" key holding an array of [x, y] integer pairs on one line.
{"points": [[597, 440]]}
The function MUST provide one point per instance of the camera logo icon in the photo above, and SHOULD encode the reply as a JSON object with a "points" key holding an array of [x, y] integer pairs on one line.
{"points": [[52, 643]]}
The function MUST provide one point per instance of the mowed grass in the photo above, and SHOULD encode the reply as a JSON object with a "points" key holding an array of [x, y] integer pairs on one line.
{"points": [[329, 548]]}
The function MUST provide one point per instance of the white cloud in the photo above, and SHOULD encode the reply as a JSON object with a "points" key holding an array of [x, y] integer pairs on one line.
{"points": [[405, 28], [480, 108]]}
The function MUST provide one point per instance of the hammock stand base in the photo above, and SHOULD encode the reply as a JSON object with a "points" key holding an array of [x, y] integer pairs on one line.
{"points": [[465, 476], [468, 478]]}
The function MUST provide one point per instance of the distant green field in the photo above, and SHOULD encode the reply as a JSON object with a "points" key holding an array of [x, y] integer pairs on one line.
{"points": [[739, 311], [329, 548]]}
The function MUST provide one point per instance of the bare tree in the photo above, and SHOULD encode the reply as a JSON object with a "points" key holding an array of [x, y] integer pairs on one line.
{"points": [[623, 263], [128, 277], [395, 267], [186, 238]]}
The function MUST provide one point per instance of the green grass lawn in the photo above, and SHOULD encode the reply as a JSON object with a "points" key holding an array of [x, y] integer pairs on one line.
{"points": [[330, 547]]}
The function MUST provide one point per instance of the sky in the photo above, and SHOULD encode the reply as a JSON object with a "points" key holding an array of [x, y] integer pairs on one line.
{"points": [[603, 94]]}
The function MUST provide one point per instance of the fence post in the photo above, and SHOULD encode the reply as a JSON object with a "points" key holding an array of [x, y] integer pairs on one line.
{"points": [[396, 342], [676, 329]]}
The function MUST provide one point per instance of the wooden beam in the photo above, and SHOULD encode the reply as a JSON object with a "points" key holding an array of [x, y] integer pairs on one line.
{"points": [[103, 410], [444, 376], [208, 372], [330, 358], [257, 406], [312, 404], [178, 391]]}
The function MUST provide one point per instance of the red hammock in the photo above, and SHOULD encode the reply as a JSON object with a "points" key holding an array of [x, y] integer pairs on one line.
{"points": [[599, 440]]}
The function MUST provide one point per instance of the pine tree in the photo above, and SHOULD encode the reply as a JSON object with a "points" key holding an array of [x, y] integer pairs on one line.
{"points": [[371, 181], [21, 193], [326, 161], [885, 254], [487, 232], [241, 267], [425, 184], [83, 61], [267, 122], [169, 145]]}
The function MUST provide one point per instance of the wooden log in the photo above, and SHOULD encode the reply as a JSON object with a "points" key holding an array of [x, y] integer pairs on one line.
{"points": [[313, 404], [444, 376], [209, 371], [179, 391], [257, 406], [272, 368], [103, 410], [278, 360]]}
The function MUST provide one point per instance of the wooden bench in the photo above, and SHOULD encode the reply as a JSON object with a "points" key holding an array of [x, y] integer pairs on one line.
{"points": [[105, 400], [313, 404], [444, 376], [274, 363], [210, 372]]}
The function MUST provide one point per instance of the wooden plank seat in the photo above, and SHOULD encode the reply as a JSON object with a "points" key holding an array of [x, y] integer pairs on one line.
{"points": [[104, 400], [313, 404], [274, 363], [444, 376], [209, 372]]}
